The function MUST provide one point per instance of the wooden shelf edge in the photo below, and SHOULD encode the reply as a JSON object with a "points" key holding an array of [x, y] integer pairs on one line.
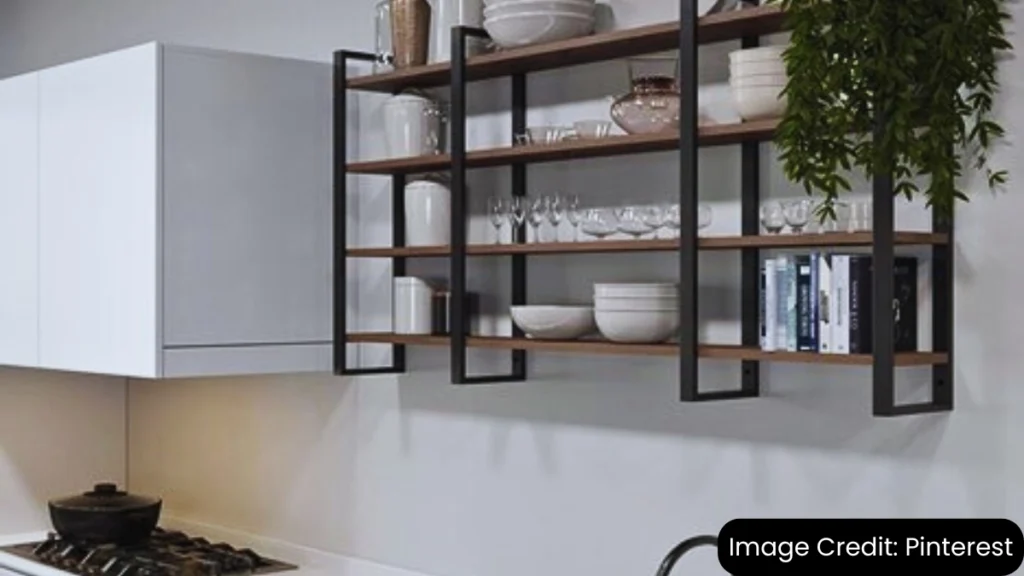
{"points": [[600, 347], [605, 46], [831, 239], [713, 135]]}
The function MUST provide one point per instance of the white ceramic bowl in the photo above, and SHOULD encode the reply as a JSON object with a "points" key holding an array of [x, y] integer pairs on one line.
{"points": [[746, 69], [651, 290], [530, 28], [759, 102], [764, 80], [760, 54], [636, 304], [525, 6], [554, 322], [637, 327], [496, 3]]}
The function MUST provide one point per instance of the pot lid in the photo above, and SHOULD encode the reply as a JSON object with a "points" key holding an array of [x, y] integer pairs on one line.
{"points": [[105, 496]]}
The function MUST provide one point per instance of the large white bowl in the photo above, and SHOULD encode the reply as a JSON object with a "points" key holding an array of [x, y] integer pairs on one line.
{"points": [[530, 28], [760, 54], [554, 322], [757, 69], [495, 3], [582, 8], [759, 102], [657, 290], [636, 304], [633, 327], [775, 80]]}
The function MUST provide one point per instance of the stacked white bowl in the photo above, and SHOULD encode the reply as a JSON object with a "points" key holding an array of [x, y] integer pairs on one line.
{"points": [[514, 23], [637, 313], [757, 77]]}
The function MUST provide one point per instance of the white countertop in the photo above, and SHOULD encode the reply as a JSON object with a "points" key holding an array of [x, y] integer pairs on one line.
{"points": [[310, 562]]}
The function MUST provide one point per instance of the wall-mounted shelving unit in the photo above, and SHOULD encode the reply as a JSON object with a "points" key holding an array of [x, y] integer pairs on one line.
{"points": [[685, 35]]}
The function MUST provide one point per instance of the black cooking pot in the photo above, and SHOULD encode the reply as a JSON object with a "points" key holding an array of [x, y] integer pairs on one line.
{"points": [[105, 515]]}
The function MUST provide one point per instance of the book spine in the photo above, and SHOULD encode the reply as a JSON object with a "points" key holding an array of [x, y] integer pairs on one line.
{"points": [[814, 302], [803, 303], [780, 299], [857, 308], [760, 307], [905, 304], [791, 312], [826, 310], [771, 305], [841, 289]]}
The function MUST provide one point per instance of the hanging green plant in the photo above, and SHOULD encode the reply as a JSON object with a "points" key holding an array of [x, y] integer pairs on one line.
{"points": [[927, 66]]}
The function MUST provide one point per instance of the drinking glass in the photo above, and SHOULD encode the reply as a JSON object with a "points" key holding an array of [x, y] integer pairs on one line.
{"points": [[631, 222], [773, 217], [556, 211], [536, 215], [654, 218], [497, 211], [861, 214], [600, 223], [704, 216], [574, 214], [516, 216], [797, 214], [673, 220]]}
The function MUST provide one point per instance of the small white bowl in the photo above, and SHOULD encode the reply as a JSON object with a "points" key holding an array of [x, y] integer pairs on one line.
{"points": [[759, 102], [636, 290], [526, 6], [637, 327], [554, 322], [530, 28], [771, 80], [760, 54], [746, 69], [592, 129], [636, 304]]}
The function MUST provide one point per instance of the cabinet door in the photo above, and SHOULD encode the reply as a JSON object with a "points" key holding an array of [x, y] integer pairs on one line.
{"points": [[19, 220], [98, 214]]}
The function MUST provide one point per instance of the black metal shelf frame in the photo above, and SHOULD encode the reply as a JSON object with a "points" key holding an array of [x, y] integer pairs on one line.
{"points": [[883, 248]]}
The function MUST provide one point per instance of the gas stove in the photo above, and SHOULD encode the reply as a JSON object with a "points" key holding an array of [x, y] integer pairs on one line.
{"points": [[166, 553]]}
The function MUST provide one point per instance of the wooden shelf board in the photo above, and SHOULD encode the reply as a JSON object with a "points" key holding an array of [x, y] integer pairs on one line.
{"points": [[832, 239], [613, 45], [602, 347], [714, 135]]}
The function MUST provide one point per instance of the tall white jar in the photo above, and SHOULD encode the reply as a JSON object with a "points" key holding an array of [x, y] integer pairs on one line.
{"points": [[412, 126], [428, 213]]}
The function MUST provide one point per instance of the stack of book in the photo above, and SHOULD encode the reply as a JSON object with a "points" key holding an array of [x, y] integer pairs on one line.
{"points": [[822, 302]]}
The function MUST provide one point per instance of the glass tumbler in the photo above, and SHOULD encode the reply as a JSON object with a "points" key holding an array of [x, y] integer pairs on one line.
{"points": [[382, 50]]}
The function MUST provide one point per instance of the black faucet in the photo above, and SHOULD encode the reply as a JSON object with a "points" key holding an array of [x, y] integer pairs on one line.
{"points": [[685, 546]]}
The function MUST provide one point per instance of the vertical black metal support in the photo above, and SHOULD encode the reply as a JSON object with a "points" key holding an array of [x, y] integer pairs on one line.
{"points": [[340, 231], [519, 191], [750, 257], [688, 284], [942, 314], [460, 205], [883, 322]]}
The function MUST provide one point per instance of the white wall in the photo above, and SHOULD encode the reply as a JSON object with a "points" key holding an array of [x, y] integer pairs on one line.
{"points": [[591, 467]]}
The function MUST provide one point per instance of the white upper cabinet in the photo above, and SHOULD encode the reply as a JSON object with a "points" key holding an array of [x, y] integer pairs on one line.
{"points": [[184, 215], [19, 221]]}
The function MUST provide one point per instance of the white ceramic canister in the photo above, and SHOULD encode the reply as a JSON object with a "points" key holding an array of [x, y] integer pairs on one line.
{"points": [[428, 213], [413, 298], [448, 13], [412, 126]]}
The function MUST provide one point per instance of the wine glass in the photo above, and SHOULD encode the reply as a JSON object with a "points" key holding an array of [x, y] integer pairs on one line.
{"points": [[797, 214], [556, 211], [516, 215], [600, 223], [631, 222], [773, 217], [574, 214], [654, 218], [673, 220], [536, 215], [497, 210], [704, 216]]}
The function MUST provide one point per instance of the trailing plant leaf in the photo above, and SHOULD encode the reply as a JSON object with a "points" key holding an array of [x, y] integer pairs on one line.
{"points": [[901, 87]]}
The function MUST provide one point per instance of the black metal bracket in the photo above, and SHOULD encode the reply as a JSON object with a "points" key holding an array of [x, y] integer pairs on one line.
{"points": [[340, 232], [460, 208]]}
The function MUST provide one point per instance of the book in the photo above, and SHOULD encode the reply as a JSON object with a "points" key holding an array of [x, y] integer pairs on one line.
{"points": [[803, 304], [771, 303], [781, 299], [904, 305], [825, 308], [791, 311], [815, 256], [860, 305], [841, 295]]}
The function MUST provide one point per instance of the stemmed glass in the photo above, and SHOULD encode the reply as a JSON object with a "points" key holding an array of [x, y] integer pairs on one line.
{"points": [[797, 214], [497, 210], [556, 210], [654, 218], [773, 217], [574, 214], [516, 215], [599, 223], [631, 222], [704, 215], [673, 220], [538, 213]]}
